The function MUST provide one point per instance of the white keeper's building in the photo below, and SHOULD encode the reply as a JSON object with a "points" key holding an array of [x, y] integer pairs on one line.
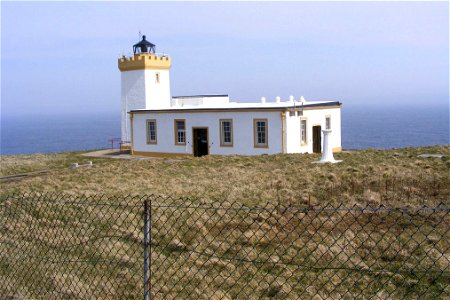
{"points": [[156, 124]]}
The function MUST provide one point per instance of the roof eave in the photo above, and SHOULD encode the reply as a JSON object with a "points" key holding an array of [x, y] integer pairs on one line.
{"points": [[267, 108]]}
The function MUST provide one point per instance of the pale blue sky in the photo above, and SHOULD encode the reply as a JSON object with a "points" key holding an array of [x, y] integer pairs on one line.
{"points": [[62, 57]]}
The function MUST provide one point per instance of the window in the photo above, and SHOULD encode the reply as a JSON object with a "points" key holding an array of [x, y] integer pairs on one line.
{"points": [[157, 77], [260, 133], [291, 113], [303, 131], [327, 122], [180, 132], [151, 132], [226, 133]]}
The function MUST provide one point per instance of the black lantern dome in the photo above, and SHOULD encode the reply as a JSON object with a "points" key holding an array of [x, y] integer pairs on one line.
{"points": [[144, 46]]}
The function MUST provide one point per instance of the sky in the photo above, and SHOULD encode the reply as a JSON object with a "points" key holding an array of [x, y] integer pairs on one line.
{"points": [[61, 57]]}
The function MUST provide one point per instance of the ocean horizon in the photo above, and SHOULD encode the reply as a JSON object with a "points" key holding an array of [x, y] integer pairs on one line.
{"points": [[362, 128]]}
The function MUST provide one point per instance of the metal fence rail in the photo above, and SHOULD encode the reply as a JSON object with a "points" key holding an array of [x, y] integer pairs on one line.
{"points": [[55, 246]]}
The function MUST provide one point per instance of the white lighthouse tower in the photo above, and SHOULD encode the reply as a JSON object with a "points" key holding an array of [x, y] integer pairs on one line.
{"points": [[145, 82]]}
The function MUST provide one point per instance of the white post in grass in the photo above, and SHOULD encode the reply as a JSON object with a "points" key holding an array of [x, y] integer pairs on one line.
{"points": [[327, 154]]}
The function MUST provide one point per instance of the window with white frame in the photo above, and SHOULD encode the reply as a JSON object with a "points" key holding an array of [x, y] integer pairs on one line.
{"points": [[328, 122], [226, 132], [151, 132], [303, 131], [260, 133], [180, 132]]}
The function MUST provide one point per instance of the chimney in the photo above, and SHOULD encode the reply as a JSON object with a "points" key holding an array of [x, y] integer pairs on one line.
{"points": [[263, 99], [278, 99]]}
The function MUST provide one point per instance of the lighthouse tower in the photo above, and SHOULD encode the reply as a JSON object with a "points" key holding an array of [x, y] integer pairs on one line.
{"points": [[145, 82]]}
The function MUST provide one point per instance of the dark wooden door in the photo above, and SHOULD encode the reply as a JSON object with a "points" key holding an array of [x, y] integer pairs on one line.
{"points": [[317, 139], [200, 137]]}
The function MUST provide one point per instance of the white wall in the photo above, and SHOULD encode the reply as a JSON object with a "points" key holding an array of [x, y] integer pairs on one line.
{"points": [[157, 95], [210, 101], [314, 117], [139, 90], [132, 97], [242, 132]]}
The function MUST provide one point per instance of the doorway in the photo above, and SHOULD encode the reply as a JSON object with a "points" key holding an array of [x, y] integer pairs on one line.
{"points": [[317, 139], [201, 143]]}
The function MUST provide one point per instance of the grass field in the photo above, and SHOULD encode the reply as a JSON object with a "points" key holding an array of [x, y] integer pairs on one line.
{"points": [[61, 247], [92, 249], [387, 177]]}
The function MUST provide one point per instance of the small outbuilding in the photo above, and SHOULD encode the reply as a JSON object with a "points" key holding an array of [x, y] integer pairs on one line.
{"points": [[156, 124]]}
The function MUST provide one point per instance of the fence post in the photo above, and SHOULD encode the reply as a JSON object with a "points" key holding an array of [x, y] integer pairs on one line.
{"points": [[146, 248]]}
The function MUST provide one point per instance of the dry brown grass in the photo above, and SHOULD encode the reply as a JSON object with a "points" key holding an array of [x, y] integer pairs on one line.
{"points": [[388, 177], [71, 248], [375, 177]]}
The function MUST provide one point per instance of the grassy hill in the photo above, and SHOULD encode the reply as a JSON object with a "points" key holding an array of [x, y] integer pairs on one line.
{"points": [[91, 248]]}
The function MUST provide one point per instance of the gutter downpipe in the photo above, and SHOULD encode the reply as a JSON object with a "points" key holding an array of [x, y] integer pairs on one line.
{"points": [[131, 132], [283, 131]]}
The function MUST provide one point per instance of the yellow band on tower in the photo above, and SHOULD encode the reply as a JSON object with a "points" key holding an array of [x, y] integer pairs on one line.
{"points": [[144, 61]]}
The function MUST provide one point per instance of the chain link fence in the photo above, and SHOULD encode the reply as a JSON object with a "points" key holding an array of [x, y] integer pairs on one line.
{"points": [[61, 247]]}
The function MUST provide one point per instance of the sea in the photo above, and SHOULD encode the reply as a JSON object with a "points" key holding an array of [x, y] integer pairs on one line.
{"points": [[362, 128]]}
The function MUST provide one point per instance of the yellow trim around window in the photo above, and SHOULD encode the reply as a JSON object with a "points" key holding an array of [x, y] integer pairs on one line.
{"points": [[148, 121], [175, 130], [255, 135], [306, 131], [222, 143]]}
